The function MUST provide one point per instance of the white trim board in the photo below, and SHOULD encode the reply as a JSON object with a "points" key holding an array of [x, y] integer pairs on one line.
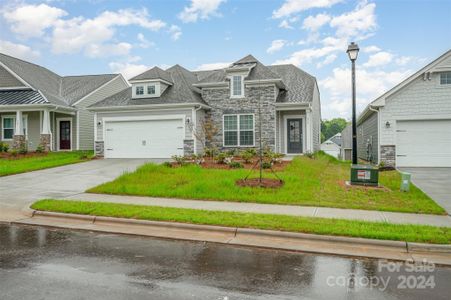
{"points": [[24, 126]]}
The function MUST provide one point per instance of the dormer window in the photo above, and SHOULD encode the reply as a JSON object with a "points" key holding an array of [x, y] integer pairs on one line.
{"points": [[151, 89], [139, 90], [237, 88]]}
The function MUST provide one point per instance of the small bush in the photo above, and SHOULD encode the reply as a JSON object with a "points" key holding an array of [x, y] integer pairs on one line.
{"points": [[197, 159], [39, 149], [167, 164], [220, 157], [251, 151], [236, 165], [23, 149], [13, 152], [310, 155], [4, 147], [247, 155], [231, 152], [210, 151], [179, 159], [266, 165]]}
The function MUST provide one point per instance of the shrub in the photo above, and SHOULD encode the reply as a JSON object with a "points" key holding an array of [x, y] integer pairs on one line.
{"points": [[310, 154], [210, 151], [13, 152], [179, 159], [23, 149], [220, 157], [197, 159], [4, 147], [167, 164], [231, 152], [246, 156], [39, 149], [251, 151], [266, 165], [236, 165]]}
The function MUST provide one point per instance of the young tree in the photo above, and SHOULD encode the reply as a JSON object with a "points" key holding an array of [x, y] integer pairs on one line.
{"points": [[329, 128]]}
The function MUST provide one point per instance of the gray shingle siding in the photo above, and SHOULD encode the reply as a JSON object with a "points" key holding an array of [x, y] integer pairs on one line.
{"points": [[316, 119], [367, 133]]}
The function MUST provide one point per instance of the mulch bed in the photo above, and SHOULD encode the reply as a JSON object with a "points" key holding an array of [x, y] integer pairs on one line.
{"points": [[210, 163], [9, 156], [255, 182]]}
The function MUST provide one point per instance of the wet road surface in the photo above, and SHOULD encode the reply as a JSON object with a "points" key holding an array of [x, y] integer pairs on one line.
{"points": [[42, 263]]}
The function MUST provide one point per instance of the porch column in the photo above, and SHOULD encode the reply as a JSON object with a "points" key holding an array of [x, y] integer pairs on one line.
{"points": [[308, 131], [19, 142], [46, 133]]}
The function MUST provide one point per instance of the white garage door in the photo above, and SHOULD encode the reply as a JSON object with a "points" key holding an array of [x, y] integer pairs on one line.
{"points": [[144, 139], [425, 143]]}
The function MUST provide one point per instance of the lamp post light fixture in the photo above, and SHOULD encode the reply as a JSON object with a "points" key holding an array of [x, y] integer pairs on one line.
{"points": [[353, 52]]}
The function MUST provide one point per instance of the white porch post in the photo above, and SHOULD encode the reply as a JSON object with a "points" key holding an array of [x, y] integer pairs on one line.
{"points": [[18, 128], [309, 131], [46, 133]]}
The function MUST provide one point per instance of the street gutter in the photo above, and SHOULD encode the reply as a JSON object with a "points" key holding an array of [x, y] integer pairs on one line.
{"points": [[270, 239]]}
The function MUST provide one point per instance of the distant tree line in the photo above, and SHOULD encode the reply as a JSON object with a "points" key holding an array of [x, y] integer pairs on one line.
{"points": [[329, 128]]}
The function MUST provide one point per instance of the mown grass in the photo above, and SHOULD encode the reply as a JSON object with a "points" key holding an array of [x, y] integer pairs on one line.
{"points": [[310, 182], [52, 159], [323, 226]]}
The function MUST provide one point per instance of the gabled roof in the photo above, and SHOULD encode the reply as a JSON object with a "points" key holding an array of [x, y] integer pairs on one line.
{"points": [[299, 84], [154, 73], [182, 91], [56, 89], [245, 60]]}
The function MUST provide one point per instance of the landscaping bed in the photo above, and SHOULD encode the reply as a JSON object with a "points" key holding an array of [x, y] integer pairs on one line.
{"points": [[309, 181], [323, 226], [32, 161]]}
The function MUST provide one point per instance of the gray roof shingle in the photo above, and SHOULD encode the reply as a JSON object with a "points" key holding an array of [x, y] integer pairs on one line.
{"points": [[154, 73], [20, 97], [299, 84], [58, 90]]}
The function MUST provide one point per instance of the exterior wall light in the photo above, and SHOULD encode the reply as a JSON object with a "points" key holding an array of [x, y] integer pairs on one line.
{"points": [[387, 124]]}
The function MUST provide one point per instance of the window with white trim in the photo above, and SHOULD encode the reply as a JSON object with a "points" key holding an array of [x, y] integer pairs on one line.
{"points": [[238, 130], [8, 124], [237, 86], [445, 78], [151, 90], [139, 90]]}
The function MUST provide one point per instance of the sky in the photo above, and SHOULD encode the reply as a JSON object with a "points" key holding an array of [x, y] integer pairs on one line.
{"points": [[396, 38]]}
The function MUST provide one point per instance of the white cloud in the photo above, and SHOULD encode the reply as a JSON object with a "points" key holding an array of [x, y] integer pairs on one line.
{"points": [[74, 35], [127, 69], [200, 9], [276, 45], [295, 6], [175, 32], [313, 23], [357, 23], [104, 50], [379, 59], [143, 42], [285, 24], [18, 50], [32, 20], [371, 49], [213, 66], [328, 60], [403, 60], [304, 56]]}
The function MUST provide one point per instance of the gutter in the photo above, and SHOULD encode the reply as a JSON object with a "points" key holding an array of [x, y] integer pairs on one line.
{"points": [[147, 106]]}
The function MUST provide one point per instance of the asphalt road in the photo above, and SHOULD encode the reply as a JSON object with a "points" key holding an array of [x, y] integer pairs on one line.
{"points": [[40, 263]]}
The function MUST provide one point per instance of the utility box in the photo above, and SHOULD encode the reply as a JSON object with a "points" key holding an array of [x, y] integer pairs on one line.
{"points": [[364, 175], [405, 181]]}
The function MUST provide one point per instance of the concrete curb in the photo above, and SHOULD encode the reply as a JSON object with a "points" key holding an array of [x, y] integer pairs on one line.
{"points": [[402, 246]]}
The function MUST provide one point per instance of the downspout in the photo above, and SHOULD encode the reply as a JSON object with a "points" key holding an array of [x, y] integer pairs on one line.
{"points": [[378, 133], [195, 127]]}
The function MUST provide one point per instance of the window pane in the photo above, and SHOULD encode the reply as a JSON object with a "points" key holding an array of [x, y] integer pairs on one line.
{"points": [[236, 85], [246, 122], [139, 90], [246, 138], [445, 78], [230, 138], [8, 133], [8, 123], [151, 89], [230, 123]]}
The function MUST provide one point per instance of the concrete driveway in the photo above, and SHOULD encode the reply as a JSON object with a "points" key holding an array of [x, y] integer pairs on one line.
{"points": [[436, 182], [18, 191]]}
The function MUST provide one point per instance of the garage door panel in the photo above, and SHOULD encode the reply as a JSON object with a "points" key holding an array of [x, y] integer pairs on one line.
{"points": [[423, 143], [144, 139]]}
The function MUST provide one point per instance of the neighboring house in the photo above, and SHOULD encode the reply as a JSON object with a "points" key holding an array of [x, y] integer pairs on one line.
{"points": [[39, 107], [346, 143], [410, 125], [162, 113], [332, 145]]}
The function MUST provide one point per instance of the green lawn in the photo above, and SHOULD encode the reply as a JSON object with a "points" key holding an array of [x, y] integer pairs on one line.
{"points": [[373, 230], [312, 182], [52, 159]]}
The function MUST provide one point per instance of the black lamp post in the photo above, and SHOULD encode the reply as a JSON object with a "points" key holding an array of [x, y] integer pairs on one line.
{"points": [[353, 51]]}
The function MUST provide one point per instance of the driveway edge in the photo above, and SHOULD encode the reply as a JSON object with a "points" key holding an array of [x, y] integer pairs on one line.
{"points": [[271, 239]]}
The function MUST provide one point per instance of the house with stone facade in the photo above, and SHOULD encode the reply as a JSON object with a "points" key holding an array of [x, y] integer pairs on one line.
{"points": [[163, 112], [410, 125], [41, 108]]}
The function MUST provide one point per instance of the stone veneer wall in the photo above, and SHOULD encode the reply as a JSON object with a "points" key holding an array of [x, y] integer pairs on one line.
{"points": [[188, 147], [99, 148], [388, 155], [19, 142], [221, 103], [44, 142]]}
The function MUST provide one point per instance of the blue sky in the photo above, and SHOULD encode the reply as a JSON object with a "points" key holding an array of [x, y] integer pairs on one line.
{"points": [[88, 37]]}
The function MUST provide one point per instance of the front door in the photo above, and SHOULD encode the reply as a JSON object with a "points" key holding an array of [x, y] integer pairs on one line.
{"points": [[294, 135], [64, 135]]}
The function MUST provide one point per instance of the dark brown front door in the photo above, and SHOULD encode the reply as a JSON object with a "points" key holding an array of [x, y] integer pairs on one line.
{"points": [[294, 136], [65, 135]]}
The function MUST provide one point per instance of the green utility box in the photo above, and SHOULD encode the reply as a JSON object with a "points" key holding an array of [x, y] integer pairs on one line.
{"points": [[364, 175], [405, 181]]}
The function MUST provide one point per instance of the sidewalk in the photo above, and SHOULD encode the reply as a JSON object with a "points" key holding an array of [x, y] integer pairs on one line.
{"points": [[292, 210]]}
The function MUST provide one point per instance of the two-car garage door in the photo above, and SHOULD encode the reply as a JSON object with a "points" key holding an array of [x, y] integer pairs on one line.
{"points": [[423, 143], [155, 138]]}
